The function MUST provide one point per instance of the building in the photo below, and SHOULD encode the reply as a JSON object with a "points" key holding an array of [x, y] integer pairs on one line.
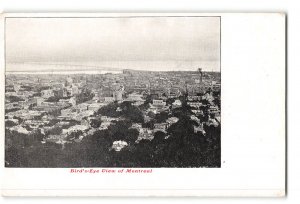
{"points": [[158, 103], [74, 128], [69, 81], [73, 90], [171, 121], [145, 134], [58, 93], [72, 101], [176, 104], [199, 129], [17, 87], [39, 100], [195, 105], [118, 145], [118, 93], [109, 99], [208, 96], [47, 93], [135, 97], [194, 98], [95, 106], [160, 127]]}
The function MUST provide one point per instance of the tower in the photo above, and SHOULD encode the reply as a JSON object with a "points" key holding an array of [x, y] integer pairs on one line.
{"points": [[118, 92], [201, 74], [69, 81]]}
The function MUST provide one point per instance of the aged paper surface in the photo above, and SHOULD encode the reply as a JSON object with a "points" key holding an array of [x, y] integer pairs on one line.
{"points": [[126, 104]]}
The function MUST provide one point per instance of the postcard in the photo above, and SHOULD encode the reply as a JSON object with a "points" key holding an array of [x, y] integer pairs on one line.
{"points": [[143, 104]]}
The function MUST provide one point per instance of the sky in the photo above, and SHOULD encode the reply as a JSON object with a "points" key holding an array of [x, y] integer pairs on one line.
{"points": [[143, 43]]}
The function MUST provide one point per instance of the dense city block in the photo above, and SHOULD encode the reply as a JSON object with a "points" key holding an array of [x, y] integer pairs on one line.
{"points": [[126, 119]]}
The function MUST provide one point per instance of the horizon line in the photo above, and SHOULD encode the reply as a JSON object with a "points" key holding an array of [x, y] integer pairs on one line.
{"points": [[96, 68], [95, 71]]}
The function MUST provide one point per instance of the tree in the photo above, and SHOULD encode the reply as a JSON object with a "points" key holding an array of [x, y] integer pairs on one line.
{"points": [[217, 101], [131, 112], [53, 99], [10, 123], [159, 137], [151, 114], [144, 106], [205, 102], [84, 96], [12, 110], [74, 135], [170, 101], [38, 94], [37, 135], [109, 110], [131, 136], [55, 131], [149, 99], [119, 130], [53, 122], [149, 124], [162, 117], [13, 99], [95, 123]]}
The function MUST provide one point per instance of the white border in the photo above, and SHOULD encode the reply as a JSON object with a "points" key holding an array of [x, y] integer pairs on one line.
{"points": [[267, 74]]}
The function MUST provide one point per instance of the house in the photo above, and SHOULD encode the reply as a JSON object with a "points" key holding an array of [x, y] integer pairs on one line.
{"points": [[146, 134], [208, 96], [213, 122], [160, 127], [39, 101], [194, 98], [199, 129], [171, 121], [195, 105], [118, 145], [95, 106], [158, 103], [136, 126], [197, 112], [214, 110], [74, 128], [109, 99], [104, 125], [47, 93], [20, 129], [176, 104], [194, 118], [138, 103]]}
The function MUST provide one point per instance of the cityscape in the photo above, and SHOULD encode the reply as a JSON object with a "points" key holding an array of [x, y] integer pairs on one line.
{"points": [[128, 119], [136, 92]]}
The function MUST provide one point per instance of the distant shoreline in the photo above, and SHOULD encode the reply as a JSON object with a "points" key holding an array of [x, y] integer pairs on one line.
{"points": [[74, 72], [70, 72], [111, 67]]}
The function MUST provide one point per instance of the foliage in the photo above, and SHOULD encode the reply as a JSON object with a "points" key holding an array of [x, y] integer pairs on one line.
{"points": [[10, 123], [129, 111], [84, 96], [74, 135], [54, 131], [13, 99], [12, 110], [53, 99], [180, 146], [161, 117], [95, 123]]}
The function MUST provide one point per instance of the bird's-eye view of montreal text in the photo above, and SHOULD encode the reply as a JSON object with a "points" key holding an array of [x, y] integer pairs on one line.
{"points": [[113, 92]]}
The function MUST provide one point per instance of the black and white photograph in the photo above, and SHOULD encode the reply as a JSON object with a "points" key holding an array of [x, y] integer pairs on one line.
{"points": [[117, 91]]}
